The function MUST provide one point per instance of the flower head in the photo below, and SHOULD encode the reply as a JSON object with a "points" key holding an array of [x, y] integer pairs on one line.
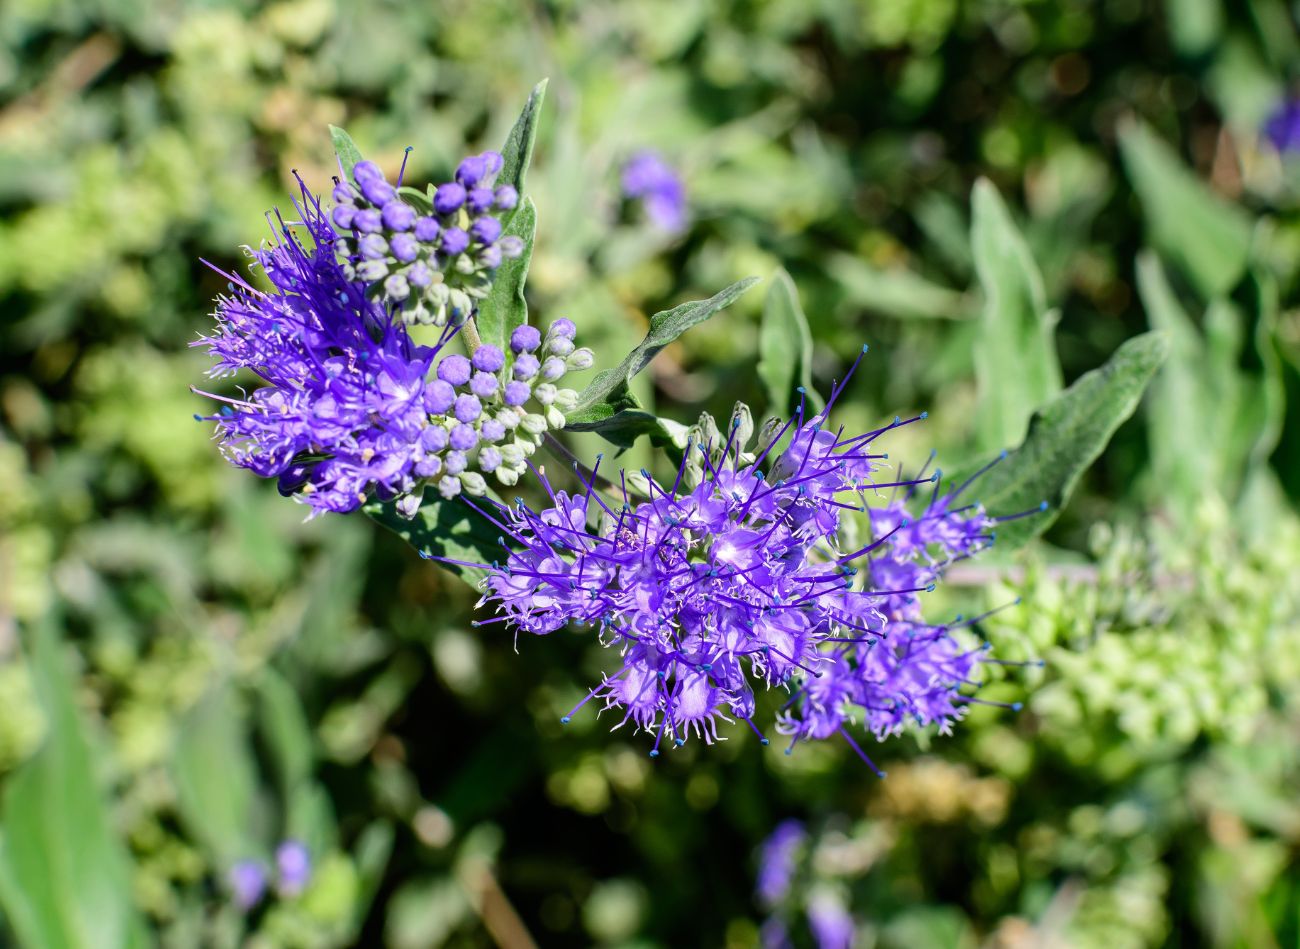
{"points": [[656, 184], [247, 881], [293, 866], [430, 257], [743, 579], [349, 405]]}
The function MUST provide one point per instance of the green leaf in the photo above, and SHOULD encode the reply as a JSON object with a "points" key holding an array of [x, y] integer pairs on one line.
{"points": [[504, 308], [1197, 231], [895, 292], [784, 346], [212, 766], [373, 848], [284, 726], [625, 426], [1177, 449], [345, 148], [608, 393], [517, 153], [1065, 437], [450, 529], [1015, 359], [1240, 412], [64, 873]]}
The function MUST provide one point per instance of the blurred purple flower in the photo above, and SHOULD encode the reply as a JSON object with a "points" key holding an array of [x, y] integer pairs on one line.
{"points": [[778, 860], [1283, 126], [293, 865], [656, 184], [830, 922], [247, 881]]}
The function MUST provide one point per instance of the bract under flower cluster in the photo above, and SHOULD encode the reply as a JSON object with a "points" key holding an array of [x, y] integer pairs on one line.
{"points": [[742, 579], [353, 406]]}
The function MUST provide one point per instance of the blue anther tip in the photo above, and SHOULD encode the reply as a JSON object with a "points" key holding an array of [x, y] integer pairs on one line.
{"points": [[1017, 706], [865, 347], [654, 752], [764, 741], [789, 750], [1003, 453], [1018, 599], [1043, 506], [925, 415], [800, 390], [930, 588]]}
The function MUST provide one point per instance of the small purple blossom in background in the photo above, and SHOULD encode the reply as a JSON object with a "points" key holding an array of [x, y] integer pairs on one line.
{"points": [[247, 881], [349, 407], [703, 591], [1282, 127], [829, 921], [656, 184], [293, 867], [778, 861]]}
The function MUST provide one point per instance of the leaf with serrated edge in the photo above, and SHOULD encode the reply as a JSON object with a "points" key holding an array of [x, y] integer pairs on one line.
{"points": [[784, 346], [505, 308], [345, 148], [611, 385], [1065, 437]]}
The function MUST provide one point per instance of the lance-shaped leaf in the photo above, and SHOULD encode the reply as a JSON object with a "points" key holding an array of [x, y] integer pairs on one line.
{"points": [[1015, 359], [451, 529], [784, 346], [345, 148], [1203, 235], [1065, 437], [517, 153], [64, 876], [504, 308], [215, 776], [608, 394]]}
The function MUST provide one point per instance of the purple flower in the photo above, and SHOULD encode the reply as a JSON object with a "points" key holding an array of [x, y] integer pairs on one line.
{"points": [[525, 339], [346, 408], [247, 882], [293, 864], [648, 178], [832, 926], [448, 198], [777, 862], [743, 579], [1283, 126]]}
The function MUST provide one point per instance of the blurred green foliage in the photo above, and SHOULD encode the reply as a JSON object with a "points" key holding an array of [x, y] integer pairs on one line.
{"points": [[189, 674]]}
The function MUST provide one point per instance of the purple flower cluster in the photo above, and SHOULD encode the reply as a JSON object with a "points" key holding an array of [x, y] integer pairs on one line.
{"points": [[248, 879], [652, 181], [352, 406], [429, 256], [744, 579]]}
